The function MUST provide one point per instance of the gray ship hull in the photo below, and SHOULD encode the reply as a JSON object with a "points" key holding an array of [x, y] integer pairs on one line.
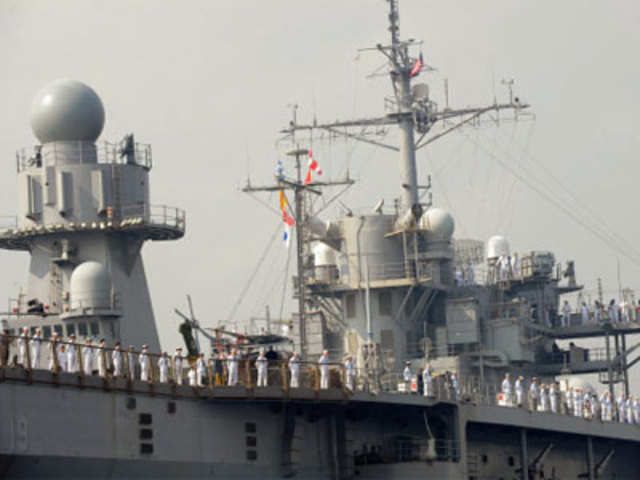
{"points": [[69, 427]]}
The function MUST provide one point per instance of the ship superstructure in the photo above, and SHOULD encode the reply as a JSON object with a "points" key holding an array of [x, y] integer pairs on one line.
{"points": [[387, 288]]}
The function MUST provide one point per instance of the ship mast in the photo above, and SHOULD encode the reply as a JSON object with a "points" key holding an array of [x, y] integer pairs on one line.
{"points": [[413, 112]]}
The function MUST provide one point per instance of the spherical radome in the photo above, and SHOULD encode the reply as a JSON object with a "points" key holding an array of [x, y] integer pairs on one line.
{"points": [[90, 286], [67, 110], [498, 246], [439, 222]]}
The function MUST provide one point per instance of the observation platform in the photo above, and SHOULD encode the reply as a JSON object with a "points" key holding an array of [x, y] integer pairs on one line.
{"points": [[591, 330], [151, 222]]}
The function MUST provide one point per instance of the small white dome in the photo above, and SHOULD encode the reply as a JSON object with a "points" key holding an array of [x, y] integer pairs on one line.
{"points": [[438, 222], [90, 286], [498, 246], [323, 255], [67, 110]]}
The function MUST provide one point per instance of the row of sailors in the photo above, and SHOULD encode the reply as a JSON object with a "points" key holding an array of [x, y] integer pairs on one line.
{"points": [[64, 358], [547, 398], [508, 268], [623, 312]]}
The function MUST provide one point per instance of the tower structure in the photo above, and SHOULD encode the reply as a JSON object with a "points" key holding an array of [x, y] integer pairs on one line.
{"points": [[84, 214]]}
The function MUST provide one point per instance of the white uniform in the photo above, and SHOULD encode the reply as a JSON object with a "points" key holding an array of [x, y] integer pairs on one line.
{"points": [[101, 361], [87, 360], [201, 371], [350, 374], [544, 399], [605, 402], [163, 369], [426, 382], [116, 359], [577, 404], [324, 371], [131, 359], [636, 411], [232, 368], [36, 343], [566, 312], [53, 355], [553, 398], [629, 410], [262, 364], [143, 360], [177, 364], [294, 368], [534, 395], [192, 377], [72, 358], [519, 392], [471, 277], [516, 269], [62, 360], [570, 397], [593, 404], [22, 349], [455, 386], [585, 314], [406, 375], [613, 313], [621, 409], [507, 389]]}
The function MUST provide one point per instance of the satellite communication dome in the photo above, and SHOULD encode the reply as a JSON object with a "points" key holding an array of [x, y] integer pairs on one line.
{"points": [[498, 246], [90, 286], [67, 110], [439, 223]]}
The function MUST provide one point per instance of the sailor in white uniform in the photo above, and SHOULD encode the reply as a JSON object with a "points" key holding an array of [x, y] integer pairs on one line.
{"points": [[621, 408], [232, 368], [570, 397], [584, 310], [294, 368], [507, 388], [72, 355], [519, 388], [192, 377], [577, 403], [427, 380], [163, 368], [262, 365], [534, 394], [201, 370], [553, 398], [87, 357], [471, 276], [350, 373], [62, 359], [143, 360], [35, 345], [636, 411], [613, 312], [455, 386], [544, 398], [593, 404], [116, 360], [101, 358], [407, 376], [131, 362], [628, 404], [23, 342], [566, 313], [605, 402], [324, 370], [177, 366]]}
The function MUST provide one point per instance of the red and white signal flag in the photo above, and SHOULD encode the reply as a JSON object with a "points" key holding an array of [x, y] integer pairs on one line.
{"points": [[313, 167]]}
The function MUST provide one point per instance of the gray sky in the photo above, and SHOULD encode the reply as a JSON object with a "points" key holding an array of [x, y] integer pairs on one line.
{"points": [[207, 83]]}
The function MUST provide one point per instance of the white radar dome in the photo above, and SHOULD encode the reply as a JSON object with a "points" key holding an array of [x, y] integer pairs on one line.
{"points": [[324, 255], [90, 286], [67, 110], [498, 246], [439, 222]]}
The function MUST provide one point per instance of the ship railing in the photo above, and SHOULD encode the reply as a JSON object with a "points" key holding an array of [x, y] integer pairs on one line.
{"points": [[104, 152], [21, 351], [440, 387], [413, 449], [159, 215], [388, 271]]}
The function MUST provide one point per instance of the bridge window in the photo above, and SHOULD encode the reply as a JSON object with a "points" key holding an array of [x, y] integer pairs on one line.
{"points": [[33, 330], [58, 329], [46, 331], [82, 329], [71, 329], [95, 328]]}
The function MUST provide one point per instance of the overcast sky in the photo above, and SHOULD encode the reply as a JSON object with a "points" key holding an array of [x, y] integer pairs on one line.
{"points": [[208, 84]]}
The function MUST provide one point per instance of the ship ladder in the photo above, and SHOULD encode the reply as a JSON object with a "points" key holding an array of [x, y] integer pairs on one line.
{"points": [[473, 465]]}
